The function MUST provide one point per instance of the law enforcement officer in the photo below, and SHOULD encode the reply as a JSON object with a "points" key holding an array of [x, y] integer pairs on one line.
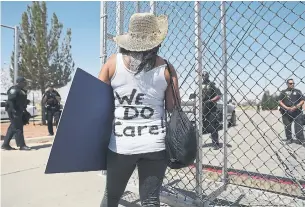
{"points": [[51, 101], [291, 101], [258, 108], [210, 95], [16, 106]]}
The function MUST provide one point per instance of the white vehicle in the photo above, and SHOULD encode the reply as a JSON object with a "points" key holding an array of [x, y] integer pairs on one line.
{"points": [[30, 108], [189, 105]]}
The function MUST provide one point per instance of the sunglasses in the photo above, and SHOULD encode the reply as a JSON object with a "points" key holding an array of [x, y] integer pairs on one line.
{"points": [[291, 83]]}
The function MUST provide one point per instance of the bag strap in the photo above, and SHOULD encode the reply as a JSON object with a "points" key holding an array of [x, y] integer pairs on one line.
{"points": [[172, 85]]}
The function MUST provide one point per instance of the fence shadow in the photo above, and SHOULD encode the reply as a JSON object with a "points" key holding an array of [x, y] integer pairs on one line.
{"points": [[129, 199], [216, 202], [211, 145]]}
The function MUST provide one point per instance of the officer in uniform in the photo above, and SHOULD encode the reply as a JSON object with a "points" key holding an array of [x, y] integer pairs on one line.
{"points": [[16, 108], [210, 95], [258, 108], [291, 101], [51, 100]]}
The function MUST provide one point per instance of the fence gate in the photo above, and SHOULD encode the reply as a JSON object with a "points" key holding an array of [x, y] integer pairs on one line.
{"points": [[249, 50]]}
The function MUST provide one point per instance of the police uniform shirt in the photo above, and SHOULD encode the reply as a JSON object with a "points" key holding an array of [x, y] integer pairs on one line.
{"points": [[51, 100], [17, 98], [291, 97], [209, 91]]}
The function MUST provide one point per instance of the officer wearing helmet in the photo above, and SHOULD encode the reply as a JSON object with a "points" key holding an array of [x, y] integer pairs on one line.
{"points": [[16, 108], [210, 95], [51, 100]]}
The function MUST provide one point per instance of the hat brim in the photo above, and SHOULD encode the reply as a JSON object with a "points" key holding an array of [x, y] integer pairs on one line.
{"points": [[148, 42]]}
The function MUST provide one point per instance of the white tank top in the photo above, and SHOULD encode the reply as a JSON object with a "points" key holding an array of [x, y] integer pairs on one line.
{"points": [[139, 116]]}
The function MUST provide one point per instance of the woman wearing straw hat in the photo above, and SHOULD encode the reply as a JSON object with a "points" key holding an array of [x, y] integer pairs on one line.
{"points": [[141, 84]]}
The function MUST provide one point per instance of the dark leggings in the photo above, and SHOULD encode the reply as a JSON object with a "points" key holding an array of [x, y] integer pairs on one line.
{"points": [[211, 125], [151, 170], [15, 128]]}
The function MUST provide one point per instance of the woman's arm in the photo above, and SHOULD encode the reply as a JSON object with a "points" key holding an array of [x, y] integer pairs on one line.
{"points": [[108, 70], [169, 97]]}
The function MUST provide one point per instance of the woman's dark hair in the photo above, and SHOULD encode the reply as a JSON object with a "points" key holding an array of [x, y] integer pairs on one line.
{"points": [[149, 58]]}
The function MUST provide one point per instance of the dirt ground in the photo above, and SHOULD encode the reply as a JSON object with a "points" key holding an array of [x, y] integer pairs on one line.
{"points": [[30, 130]]}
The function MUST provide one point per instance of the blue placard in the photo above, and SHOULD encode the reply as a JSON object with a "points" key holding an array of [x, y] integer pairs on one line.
{"points": [[84, 130]]}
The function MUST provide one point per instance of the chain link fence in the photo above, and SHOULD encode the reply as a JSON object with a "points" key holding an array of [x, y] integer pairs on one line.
{"points": [[249, 50]]}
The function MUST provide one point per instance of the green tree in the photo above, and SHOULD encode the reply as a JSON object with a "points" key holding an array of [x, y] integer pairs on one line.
{"points": [[264, 101], [273, 103], [269, 102], [43, 58]]}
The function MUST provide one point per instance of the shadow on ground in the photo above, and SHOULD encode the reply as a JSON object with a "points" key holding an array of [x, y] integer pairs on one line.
{"points": [[129, 199], [211, 145], [41, 146], [192, 195]]}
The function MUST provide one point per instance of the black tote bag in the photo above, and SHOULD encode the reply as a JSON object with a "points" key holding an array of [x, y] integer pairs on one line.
{"points": [[180, 139]]}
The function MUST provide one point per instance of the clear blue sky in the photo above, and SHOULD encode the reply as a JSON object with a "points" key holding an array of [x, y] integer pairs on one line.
{"points": [[272, 51]]}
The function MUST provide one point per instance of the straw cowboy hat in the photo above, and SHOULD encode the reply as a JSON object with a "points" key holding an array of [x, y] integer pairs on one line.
{"points": [[146, 31]]}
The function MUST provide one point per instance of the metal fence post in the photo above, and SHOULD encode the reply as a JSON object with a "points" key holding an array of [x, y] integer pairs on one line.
{"points": [[119, 18], [137, 5], [153, 7], [103, 43], [16, 52], [103, 33], [225, 93], [198, 59]]}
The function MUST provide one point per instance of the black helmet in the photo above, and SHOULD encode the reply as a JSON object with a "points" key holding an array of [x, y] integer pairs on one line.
{"points": [[205, 74], [21, 80]]}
